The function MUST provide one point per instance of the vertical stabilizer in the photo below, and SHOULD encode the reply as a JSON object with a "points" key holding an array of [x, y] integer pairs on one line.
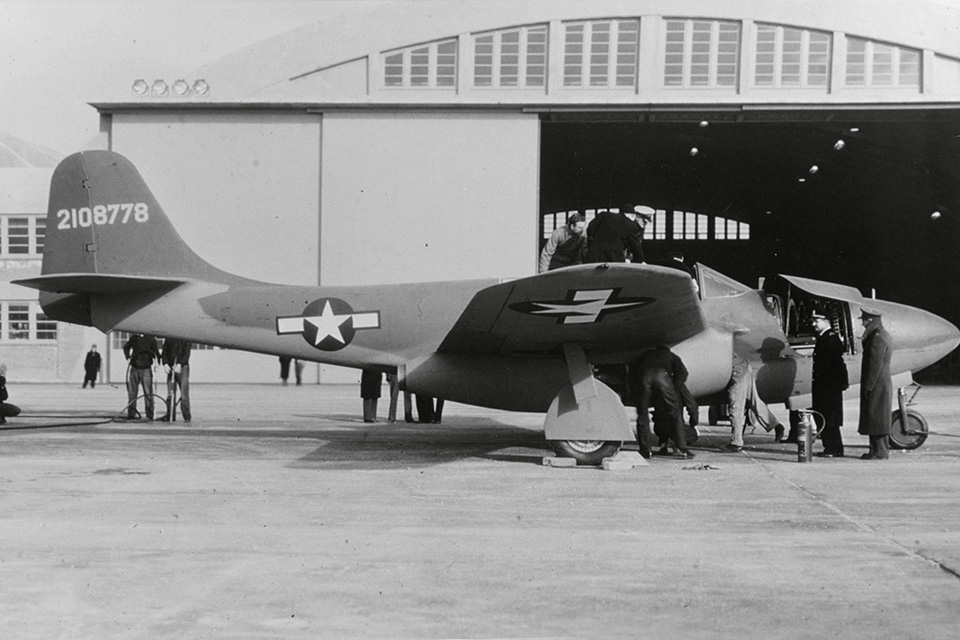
{"points": [[103, 219]]}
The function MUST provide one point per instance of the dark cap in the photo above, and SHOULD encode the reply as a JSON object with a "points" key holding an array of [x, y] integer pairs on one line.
{"points": [[869, 312], [818, 315]]}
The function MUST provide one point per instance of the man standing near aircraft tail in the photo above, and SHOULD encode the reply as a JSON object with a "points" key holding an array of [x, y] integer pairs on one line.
{"points": [[829, 382], [611, 235], [141, 351], [176, 362], [876, 385], [567, 245]]}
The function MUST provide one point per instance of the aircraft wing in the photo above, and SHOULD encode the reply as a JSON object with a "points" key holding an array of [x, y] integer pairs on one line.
{"points": [[603, 308]]}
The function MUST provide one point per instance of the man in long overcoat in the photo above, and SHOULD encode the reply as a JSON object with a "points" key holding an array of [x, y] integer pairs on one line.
{"points": [[876, 385], [829, 382]]}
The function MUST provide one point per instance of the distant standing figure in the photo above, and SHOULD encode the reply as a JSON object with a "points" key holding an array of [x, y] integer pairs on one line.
{"points": [[284, 369], [7, 410], [141, 351], [91, 367], [829, 382], [876, 385], [610, 235], [370, 383], [567, 245], [298, 371], [176, 362]]}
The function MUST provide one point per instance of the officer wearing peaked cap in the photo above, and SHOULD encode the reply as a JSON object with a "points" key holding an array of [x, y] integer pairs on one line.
{"points": [[829, 382], [876, 385]]}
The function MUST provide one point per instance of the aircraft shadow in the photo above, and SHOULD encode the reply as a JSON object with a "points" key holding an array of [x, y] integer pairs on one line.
{"points": [[344, 441]]}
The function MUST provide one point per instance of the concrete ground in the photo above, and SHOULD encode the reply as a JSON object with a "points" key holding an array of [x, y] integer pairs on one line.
{"points": [[279, 514]]}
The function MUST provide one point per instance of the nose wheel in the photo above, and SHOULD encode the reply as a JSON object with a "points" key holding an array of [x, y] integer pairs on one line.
{"points": [[909, 432]]}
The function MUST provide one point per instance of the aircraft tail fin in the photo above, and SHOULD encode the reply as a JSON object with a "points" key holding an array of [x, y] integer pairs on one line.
{"points": [[103, 220]]}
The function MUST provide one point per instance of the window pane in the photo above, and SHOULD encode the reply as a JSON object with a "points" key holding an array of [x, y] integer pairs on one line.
{"points": [[573, 56], [483, 61], [40, 224], [420, 67], [909, 68], [18, 235], [674, 60], [766, 48], [856, 61], [536, 71], [393, 70], [818, 62], [790, 61], [882, 65], [18, 325], [447, 63], [627, 50], [46, 328]]}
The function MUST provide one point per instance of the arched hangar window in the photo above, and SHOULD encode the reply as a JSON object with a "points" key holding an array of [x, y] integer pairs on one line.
{"points": [[601, 53], [789, 57], [514, 57], [875, 64], [430, 66], [685, 225], [701, 53]]}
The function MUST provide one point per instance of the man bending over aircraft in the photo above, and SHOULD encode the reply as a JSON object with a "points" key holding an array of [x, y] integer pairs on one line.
{"points": [[567, 245], [656, 371]]}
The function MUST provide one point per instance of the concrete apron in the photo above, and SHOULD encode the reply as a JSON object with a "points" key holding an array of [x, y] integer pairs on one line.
{"points": [[279, 513]]}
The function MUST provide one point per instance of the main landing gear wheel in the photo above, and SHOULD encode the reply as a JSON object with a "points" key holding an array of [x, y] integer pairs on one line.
{"points": [[910, 435], [586, 451]]}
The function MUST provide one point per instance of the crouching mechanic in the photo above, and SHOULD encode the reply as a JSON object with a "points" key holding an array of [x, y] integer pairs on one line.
{"points": [[656, 374]]}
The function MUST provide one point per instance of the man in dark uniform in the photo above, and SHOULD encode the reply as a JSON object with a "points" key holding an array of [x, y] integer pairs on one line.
{"points": [[655, 373], [566, 247], [141, 351], [176, 362], [829, 383], [610, 235], [91, 367], [876, 385]]}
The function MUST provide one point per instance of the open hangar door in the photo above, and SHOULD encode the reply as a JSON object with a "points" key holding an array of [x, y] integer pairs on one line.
{"points": [[867, 198]]}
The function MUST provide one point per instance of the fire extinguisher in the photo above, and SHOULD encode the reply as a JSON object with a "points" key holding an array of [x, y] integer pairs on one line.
{"points": [[808, 430]]}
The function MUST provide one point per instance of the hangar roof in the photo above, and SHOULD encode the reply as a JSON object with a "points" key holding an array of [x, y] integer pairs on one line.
{"points": [[495, 52]]}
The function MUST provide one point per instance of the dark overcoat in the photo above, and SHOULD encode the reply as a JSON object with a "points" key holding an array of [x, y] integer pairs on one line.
{"points": [[876, 386], [610, 235], [829, 377]]}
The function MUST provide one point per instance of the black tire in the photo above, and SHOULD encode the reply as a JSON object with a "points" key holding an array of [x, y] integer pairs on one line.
{"points": [[586, 451], [910, 435]]}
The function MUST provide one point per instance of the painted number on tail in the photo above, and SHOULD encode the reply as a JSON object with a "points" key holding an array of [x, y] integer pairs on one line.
{"points": [[102, 214]]}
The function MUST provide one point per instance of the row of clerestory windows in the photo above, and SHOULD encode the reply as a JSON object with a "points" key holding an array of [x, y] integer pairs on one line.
{"points": [[697, 53]]}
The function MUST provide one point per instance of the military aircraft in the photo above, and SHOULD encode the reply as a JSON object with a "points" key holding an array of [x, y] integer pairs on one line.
{"points": [[113, 260]]}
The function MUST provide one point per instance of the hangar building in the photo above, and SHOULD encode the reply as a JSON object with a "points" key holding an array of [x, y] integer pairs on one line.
{"points": [[441, 140]]}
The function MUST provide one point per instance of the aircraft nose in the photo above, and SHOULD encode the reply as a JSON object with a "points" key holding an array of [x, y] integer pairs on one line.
{"points": [[920, 338]]}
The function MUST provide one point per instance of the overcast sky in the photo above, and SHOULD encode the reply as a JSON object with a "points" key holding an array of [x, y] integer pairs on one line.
{"points": [[58, 55]]}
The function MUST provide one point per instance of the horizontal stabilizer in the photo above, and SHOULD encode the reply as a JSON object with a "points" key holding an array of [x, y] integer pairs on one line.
{"points": [[94, 283]]}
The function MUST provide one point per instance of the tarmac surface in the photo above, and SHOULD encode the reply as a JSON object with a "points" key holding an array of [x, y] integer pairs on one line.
{"points": [[278, 513]]}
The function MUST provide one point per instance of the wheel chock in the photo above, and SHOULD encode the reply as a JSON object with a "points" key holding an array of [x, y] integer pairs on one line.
{"points": [[624, 460], [552, 461]]}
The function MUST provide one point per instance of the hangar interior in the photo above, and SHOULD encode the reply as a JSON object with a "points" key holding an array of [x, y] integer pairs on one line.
{"points": [[866, 198]]}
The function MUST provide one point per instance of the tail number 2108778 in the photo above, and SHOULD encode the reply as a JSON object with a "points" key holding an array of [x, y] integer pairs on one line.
{"points": [[102, 214]]}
